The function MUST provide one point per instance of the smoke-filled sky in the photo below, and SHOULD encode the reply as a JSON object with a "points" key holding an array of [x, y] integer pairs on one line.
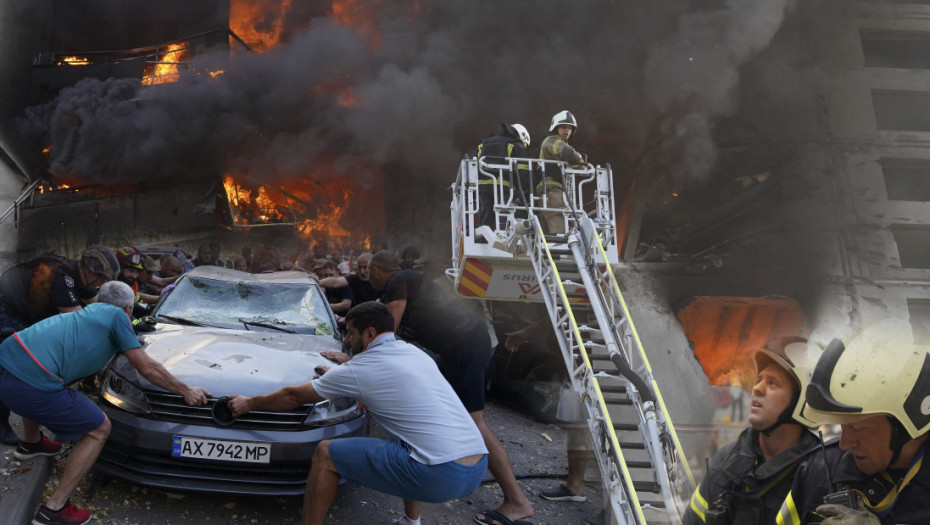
{"points": [[440, 75]]}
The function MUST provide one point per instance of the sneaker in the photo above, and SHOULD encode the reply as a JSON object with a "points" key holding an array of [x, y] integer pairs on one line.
{"points": [[70, 515], [45, 447], [562, 494]]}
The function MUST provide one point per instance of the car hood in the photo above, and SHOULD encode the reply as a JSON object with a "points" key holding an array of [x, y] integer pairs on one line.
{"points": [[228, 361]]}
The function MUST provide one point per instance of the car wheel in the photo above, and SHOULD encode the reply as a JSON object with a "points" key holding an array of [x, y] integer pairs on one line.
{"points": [[541, 392]]}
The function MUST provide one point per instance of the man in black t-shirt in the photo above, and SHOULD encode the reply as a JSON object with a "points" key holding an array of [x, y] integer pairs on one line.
{"points": [[430, 317]]}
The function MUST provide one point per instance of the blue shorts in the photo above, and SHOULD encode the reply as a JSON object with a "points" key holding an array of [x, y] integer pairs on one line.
{"points": [[66, 412], [386, 466]]}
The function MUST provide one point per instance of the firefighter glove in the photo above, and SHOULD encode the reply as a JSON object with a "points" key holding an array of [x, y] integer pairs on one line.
{"points": [[840, 515], [144, 324]]}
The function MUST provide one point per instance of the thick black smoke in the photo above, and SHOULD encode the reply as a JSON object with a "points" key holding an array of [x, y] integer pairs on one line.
{"points": [[428, 83]]}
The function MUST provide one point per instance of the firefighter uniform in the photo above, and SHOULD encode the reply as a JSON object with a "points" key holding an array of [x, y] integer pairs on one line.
{"points": [[554, 148], [895, 496], [496, 148], [741, 487]]}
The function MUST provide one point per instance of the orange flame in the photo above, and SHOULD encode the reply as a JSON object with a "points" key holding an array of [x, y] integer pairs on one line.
{"points": [[259, 23], [317, 208], [74, 61]]}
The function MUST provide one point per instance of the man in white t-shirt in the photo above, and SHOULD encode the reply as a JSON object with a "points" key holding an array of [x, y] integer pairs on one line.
{"points": [[438, 454]]}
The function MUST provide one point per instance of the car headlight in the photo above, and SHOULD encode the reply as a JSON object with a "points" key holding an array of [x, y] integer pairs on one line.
{"points": [[121, 393], [332, 411]]}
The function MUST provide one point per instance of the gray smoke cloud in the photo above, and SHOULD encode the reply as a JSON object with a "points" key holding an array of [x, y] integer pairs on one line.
{"points": [[442, 77]]}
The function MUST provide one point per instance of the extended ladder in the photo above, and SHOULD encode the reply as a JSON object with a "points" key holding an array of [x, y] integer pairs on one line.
{"points": [[641, 460], [642, 464]]}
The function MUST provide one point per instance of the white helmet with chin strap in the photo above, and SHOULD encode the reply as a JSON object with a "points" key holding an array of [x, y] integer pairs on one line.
{"points": [[564, 117], [880, 371], [522, 133]]}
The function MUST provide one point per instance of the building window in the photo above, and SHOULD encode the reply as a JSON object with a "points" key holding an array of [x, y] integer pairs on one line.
{"points": [[906, 179], [913, 245], [898, 49], [901, 110], [919, 310]]}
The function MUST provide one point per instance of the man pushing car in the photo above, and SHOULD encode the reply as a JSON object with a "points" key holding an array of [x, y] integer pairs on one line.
{"points": [[438, 453], [37, 364]]}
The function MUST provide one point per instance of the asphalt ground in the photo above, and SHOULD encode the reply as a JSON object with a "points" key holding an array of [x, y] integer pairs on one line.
{"points": [[537, 453]]}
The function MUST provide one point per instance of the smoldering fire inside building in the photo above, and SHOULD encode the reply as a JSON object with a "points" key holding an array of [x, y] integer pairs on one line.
{"points": [[749, 175]]}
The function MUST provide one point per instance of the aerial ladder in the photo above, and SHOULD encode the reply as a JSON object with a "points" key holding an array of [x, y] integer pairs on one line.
{"points": [[645, 475]]}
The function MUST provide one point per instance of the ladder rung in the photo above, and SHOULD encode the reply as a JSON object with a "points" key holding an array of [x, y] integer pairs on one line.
{"points": [[639, 464], [647, 486], [624, 401], [626, 427], [613, 389], [556, 239], [632, 445], [659, 504]]}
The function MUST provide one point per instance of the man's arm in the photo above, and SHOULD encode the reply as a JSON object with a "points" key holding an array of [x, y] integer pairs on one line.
{"points": [[160, 376], [334, 282], [397, 308], [342, 306], [285, 398]]}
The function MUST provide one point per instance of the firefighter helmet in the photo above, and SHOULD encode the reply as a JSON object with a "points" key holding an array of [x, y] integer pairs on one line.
{"points": [[563, 117], [129, 257], [522, 133], [100, 260], [881, 371], [797, 359]]}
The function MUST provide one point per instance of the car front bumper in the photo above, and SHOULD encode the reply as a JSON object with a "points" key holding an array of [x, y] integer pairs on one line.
{"points": [[139, 450]]}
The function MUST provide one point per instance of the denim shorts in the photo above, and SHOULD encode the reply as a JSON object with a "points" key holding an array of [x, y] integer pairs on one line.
{"points": [[66, 412], [386, 466]]}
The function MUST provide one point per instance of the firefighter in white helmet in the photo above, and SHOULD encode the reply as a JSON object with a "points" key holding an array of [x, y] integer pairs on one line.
{"points": [[747, 480], [877, 387], [510, 142], [555, 147]]}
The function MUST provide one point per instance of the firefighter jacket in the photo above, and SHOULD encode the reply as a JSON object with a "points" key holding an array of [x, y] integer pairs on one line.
{"points": [[899, 496], [36, 289], [502, 146], [742, 487], [554, 148]]}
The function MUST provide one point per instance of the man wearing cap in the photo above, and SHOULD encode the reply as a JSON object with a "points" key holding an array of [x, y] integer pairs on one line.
{"points": [[877, 388], [747, 480], [45, 286]]}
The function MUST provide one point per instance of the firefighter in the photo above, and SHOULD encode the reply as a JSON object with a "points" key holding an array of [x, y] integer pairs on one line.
{"points": [[747, 480], [510, 142], [877, 388], [44, 286], [555, 147]]}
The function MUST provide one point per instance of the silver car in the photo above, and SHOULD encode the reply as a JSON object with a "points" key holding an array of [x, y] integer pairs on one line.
{"points": [[231, 333]]}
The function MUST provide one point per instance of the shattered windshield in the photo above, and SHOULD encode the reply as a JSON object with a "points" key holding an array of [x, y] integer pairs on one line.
{"points": [[297, 307]]}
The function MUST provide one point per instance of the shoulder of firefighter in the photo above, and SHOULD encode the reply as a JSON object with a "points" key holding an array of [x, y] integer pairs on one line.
{"points": [[502, 145], [554, 148], [738, 488], [811, 485]]}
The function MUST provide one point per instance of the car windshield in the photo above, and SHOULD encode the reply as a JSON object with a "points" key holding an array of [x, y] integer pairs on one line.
{"points": [[292, 306]]}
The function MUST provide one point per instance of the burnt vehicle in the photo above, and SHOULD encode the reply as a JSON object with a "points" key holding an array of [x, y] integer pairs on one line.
{"points": [[232, 333]]}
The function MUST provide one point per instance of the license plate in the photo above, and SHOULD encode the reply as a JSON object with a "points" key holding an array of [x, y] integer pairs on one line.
{"points": [[245, 451]]}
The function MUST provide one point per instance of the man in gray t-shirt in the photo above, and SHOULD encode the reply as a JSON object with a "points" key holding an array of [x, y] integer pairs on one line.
{"points": [[438, 454]]}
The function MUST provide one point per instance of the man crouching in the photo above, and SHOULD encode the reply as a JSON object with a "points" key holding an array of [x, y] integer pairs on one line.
{"points": [[437, 454]]}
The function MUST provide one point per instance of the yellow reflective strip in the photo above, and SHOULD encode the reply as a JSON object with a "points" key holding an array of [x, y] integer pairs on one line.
{"points": [[698, 504], [490, 181], [788, 513]]}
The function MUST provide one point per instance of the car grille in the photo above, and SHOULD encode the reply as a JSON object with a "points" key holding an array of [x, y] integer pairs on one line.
{"points": [[171, 407], [161, 471]]}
